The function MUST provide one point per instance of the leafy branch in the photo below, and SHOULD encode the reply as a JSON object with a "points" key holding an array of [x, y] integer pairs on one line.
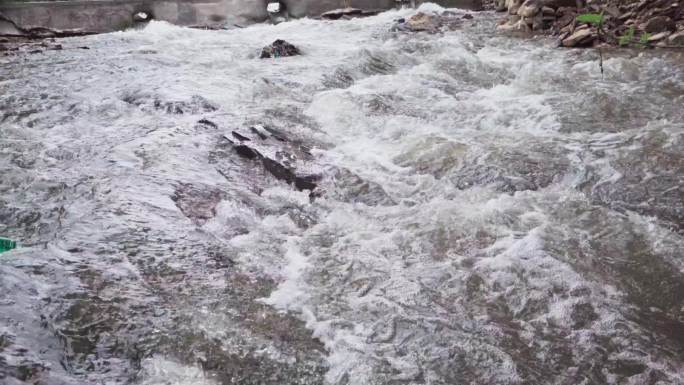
{"points": [[597, 20]]}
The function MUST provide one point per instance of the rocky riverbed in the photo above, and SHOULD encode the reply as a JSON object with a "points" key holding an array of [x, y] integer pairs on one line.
{"points": [[645, 23], [413, 199]]}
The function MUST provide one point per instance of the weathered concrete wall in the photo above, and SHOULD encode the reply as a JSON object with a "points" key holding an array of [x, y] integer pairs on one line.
{"points": [[474, 5], [301, 8], [111, 15]]}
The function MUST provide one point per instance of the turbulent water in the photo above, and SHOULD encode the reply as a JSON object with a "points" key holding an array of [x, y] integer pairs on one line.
{"points": [[489, 210]]}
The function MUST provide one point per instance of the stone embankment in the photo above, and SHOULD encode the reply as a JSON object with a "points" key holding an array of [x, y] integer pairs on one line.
{"points": [[658, 23]]}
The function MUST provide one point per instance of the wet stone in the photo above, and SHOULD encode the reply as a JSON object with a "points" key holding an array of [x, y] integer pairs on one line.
{"points": [[247, 152], [208, 123], [279, 48], [582, 315], [197, 202], [240, 137]]}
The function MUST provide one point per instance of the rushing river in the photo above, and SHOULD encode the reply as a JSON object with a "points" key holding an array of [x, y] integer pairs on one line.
{"points": [[489, 210]]}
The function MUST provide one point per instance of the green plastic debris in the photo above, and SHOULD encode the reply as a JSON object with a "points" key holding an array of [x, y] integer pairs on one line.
{"points": [[7, 245]]}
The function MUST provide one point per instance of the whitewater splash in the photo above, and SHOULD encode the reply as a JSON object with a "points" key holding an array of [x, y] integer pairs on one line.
{"points": [[488, 210]]}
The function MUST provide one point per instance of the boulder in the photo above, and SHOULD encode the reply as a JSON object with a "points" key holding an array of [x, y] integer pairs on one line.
{"points": [[658, 24], [279, 48], [423, 22], [581, 37], [529, 8]]}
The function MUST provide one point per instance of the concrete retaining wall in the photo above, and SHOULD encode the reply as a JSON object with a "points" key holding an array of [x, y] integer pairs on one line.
{"points": [[111, 15], [301, 8]]}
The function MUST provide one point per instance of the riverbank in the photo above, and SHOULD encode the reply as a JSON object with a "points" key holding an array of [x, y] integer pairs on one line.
{"points": [[640, 24]]}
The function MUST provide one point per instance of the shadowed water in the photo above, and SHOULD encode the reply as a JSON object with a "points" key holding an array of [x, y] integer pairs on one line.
{"points": [[489, 210]]}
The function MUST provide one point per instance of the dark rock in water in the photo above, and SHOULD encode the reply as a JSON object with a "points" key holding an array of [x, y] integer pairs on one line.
{"points": [[247, 152], [282, 168], [582, 315], [279, 48], [467, 16], [277, 134], [308, 182], [278, 170], [208, 123], [260, 134], [240, 137]]}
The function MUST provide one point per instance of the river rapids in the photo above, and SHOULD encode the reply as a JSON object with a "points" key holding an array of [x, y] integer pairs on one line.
{"points": [[488, 210]]}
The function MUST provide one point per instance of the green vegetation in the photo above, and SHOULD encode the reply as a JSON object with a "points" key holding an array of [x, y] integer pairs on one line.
{"points": [[591, 18], [628, 38], [597, 20]]}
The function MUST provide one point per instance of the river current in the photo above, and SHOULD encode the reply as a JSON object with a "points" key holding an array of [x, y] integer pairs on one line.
{"points": [[488, 210]]}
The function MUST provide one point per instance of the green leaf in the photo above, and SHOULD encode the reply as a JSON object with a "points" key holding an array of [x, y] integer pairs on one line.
{"points": [[591, 18], [644, 37], [627, 37]]}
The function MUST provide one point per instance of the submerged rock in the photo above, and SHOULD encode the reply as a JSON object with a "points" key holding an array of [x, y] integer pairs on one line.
{"points": [[279, 48], [281, 167], [423, 22]]}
